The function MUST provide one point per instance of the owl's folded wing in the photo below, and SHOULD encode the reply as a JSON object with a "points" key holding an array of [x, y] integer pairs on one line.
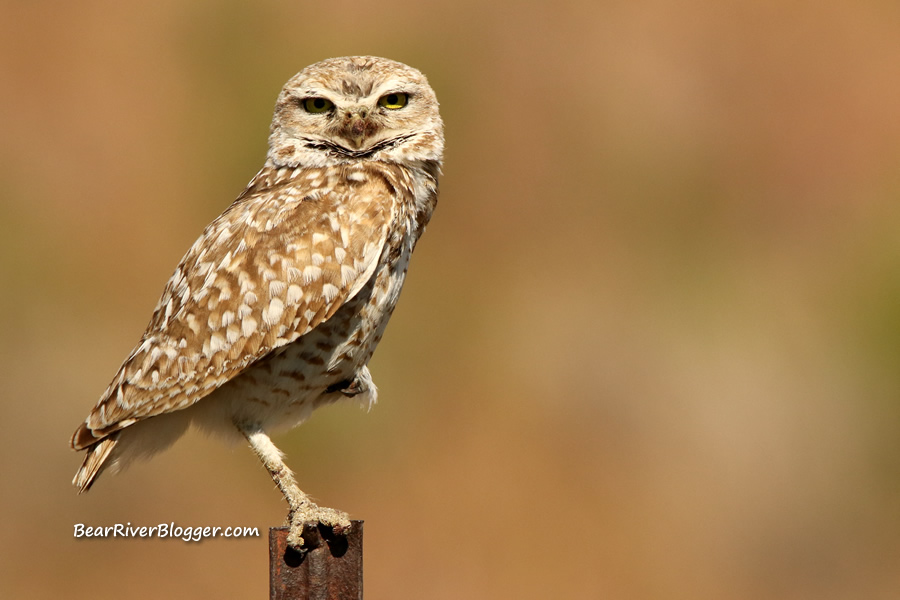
{"points": [[281, 260]]}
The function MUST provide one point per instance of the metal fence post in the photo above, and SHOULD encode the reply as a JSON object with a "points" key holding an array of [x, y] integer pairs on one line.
{"points": [[330, 570]]}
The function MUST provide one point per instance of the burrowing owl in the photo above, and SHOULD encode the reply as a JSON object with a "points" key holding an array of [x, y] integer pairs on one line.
{"points": [[277, 307]]}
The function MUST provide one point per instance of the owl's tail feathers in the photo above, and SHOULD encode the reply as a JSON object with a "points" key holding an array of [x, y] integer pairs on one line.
{"points": [[94, 462]]}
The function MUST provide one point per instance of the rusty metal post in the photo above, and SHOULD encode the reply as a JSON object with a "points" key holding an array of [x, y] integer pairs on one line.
{"points": [[330, 570]]}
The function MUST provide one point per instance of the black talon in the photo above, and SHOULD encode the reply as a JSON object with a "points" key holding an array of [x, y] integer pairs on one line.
{"points": [[294, 557], [348, 387]]}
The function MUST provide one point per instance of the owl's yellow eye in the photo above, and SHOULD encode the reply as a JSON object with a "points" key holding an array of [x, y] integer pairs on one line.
{"points": [[394, 101], [317, 105]]}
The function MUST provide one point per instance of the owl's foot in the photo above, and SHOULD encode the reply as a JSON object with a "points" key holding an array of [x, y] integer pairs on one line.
{"points": [[310, 515], [303, 513], [349, 387]]}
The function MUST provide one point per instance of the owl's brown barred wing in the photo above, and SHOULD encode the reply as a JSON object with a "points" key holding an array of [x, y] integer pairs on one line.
{"points": [[281, 260]]}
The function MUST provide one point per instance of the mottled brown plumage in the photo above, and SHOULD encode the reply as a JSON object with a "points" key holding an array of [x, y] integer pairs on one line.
{"points": [[277, 308]]}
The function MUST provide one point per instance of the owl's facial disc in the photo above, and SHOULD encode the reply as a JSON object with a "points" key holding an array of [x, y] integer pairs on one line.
{"points": [[355, 108]]}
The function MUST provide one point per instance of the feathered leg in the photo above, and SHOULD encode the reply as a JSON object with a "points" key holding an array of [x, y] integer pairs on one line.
{"points": [[302, 510]]}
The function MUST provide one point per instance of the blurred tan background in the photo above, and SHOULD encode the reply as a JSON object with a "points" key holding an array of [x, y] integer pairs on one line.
{"points": [[648, 347]]}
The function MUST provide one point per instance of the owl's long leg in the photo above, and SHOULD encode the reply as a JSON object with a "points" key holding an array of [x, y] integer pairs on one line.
{"points": [[302, 510]]}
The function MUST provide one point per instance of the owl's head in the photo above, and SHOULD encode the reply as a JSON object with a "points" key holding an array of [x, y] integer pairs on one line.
{"points": [[356, 108]]}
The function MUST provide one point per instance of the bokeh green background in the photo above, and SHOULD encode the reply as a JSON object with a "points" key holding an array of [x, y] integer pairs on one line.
{"points": [[648, 347]]}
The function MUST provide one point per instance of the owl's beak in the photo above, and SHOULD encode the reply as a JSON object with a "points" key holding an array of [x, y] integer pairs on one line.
{"points": [[358, 127]]}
